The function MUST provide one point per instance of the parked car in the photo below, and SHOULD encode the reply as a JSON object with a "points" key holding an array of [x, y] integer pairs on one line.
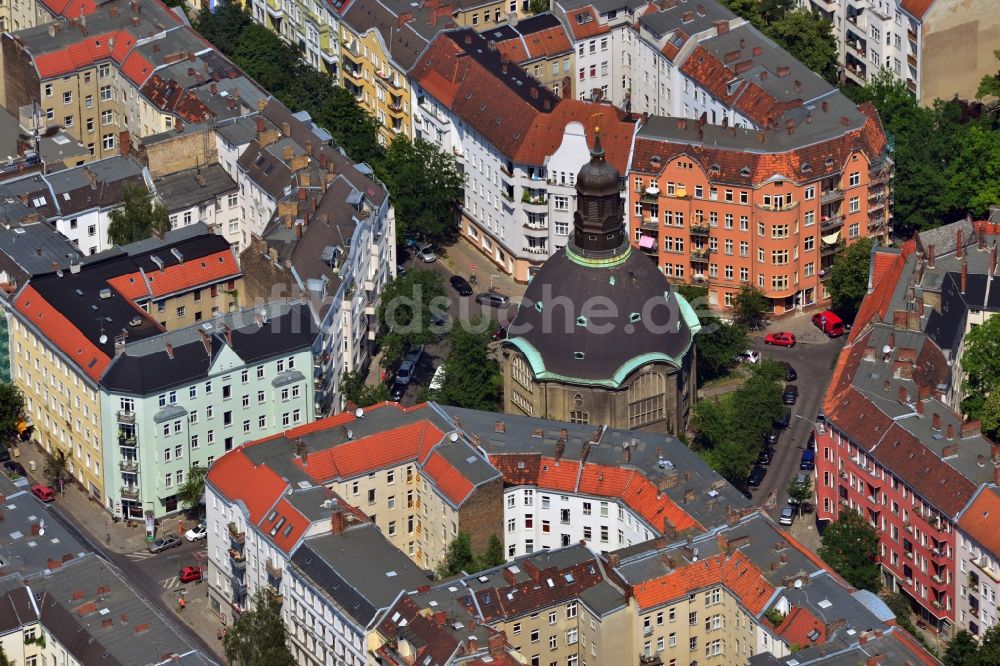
{"points": [[400, 270], [808, 461], [43, 492], [829, 323], [414, 354], [493, 299], [765, 456], [749, 356], [785, 420], [397, 392], [787, 516], [461, 285], [757, 475], [197, 533], [790, 374], [164, 543], [783, 339], [14, 469], [190, 574], [500, 333], [791, 394], [771, 438], [4, 454], [405, 372], [426, 254]]}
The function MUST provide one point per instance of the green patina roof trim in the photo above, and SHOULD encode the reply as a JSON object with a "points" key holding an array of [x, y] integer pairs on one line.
{"points": [[590, 262], [621, 374], [688, 313]]}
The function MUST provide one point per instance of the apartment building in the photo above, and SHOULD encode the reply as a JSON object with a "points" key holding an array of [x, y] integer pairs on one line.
{"points": [[203, 194], [890, 442], [939, 48], [978, 558], [312, 26], [540, 46], [521, 159]]}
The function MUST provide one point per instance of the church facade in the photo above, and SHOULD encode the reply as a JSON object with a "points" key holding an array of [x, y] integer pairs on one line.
{"points": [[601, 336]]}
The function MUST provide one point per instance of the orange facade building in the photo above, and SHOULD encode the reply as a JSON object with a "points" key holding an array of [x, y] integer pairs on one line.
{"points": [[721, 206]]}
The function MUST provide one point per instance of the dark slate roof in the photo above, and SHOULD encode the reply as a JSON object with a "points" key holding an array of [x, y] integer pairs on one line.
{"points": [[16, 610], [354, 569], [33, 247], [145, 366], [72, 635], [185, 189], [631, 286]]}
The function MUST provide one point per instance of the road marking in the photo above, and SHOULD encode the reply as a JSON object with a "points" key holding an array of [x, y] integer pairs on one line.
{"points": [[170, 583], [140, 555]]}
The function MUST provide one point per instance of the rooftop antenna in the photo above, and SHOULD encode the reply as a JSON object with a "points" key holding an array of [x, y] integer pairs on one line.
{"points": [[104, 337], [41, 527]]}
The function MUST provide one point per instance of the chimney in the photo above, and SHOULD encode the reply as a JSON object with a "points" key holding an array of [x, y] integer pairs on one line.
{"points": [[965, 275], [260, 125], [473, 645], [995, 452], [931, 256], [958, 243], [903, 397], [936, 421], [497, 641], [179, 126], [783, 71], [124, 143], [970, 429], [980, 237], [950, 432], [337, 520], [920, 407], [170, 350], [285, 129]]}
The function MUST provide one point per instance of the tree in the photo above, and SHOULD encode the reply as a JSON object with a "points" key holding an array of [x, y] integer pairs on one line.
{"points": [[799, 493], [138, 217], [808, 37], [258, 636], [988, 653], [539, 6], [362, 394], [493, 557], [471, 376], [981, 364], [425, 185], [459, 556], [751, 308], [4, 659], [849, 547], [56, 469], [961, 650], [192, 492], [405, 309], [718, 345], [989, 85], [11, 411], [848, 281]]}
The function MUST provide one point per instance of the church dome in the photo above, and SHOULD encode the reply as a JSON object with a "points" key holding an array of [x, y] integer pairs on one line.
{"points": [[598, 178]]}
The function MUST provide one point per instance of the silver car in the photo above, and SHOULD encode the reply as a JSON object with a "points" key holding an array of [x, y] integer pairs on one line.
{"points": [[787, 516], [164, 543]]}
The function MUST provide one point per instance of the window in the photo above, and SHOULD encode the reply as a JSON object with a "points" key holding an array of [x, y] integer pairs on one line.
{"points": [[88, 102], [855, 204], [810, 192], [168, 480], [107, 117], [108, 141], [553, 642], [534, 635], [107, 94], [67, 97], [181, 311], [854, 179], [571, 637], [167, 455]]}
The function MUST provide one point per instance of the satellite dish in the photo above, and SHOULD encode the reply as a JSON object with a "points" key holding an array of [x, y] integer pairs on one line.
{"points": [[41, 527], [886, 349], [359, 413], [454, 437], [103, 339], [798, 583]]}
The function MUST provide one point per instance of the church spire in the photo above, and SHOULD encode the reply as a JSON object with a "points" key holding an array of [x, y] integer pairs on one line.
{"points": [[598, 223]]}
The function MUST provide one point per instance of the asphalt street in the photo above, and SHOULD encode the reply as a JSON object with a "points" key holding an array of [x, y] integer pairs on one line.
{"points": [[813, 362]]}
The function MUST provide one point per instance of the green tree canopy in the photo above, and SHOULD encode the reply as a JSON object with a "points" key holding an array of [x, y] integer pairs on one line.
{"points": [[718, 344], [12, 411], [981, 364], [258, 636], [57, 469], [961, 650], [808, 37], [849, 547], [362, 394], [192, 491], [458, 557], [138, 217], [751, 308], [493, 557], [425, 184], [800, 492], [848, 281], [471, 376], [989, 85], [405, 310]]}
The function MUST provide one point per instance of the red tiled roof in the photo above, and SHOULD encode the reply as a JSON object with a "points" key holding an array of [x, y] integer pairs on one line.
{"points": [[448, 479], [548, 42], [192, 273], [61, 332], [583, 28], [546, 132], [711, 74], [513, 50], [916, 8], [643, 497], [981, 519], [558, 475], [383, 449], [132, 285], [517, 469], [797, 626], [736, 572], [136, 68], [258, 487], [876, 303], [70, 9], [285, 538], [883, 261], [80, 54]]}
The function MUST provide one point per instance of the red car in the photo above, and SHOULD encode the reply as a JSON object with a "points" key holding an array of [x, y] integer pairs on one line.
{"points": [[43, 492], [190, 574], [780, 339]]}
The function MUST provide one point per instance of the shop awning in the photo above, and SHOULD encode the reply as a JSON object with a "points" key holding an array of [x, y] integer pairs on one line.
{"points": [[646, 242], [832, 238]]}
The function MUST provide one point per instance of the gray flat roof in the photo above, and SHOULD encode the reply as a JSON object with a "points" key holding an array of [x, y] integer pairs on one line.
{"points": [[27, 553], [184, 189]]}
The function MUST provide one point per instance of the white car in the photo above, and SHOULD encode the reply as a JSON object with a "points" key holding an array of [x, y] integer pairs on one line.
{"points": [[749, 356], [427, 255], [197, 533]]}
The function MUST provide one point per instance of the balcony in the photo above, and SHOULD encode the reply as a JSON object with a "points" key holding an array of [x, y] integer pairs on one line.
{"points": [[126, 416], [911, 34], [396, 109], [130, 465], [237, 561], [700, 229], [911, 85], [831, 222], [273, 570], [700, 254], [536, 230], [389, 80], [130, 492], [275, 9], [538, 203], [352, 48], [911, 60], [353, 73], [535, 249], [650, 194], [236, 538], [128, 442], [650, 224], [836, 194], [832, 248]]}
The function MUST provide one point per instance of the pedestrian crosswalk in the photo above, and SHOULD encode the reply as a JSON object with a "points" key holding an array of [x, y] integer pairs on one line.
{"points": [[140, 555], [170, 583]]}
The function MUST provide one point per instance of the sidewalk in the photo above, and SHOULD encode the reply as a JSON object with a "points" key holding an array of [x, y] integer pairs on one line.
{"points": [[800, 325], [462, 256], [89, 515]]}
